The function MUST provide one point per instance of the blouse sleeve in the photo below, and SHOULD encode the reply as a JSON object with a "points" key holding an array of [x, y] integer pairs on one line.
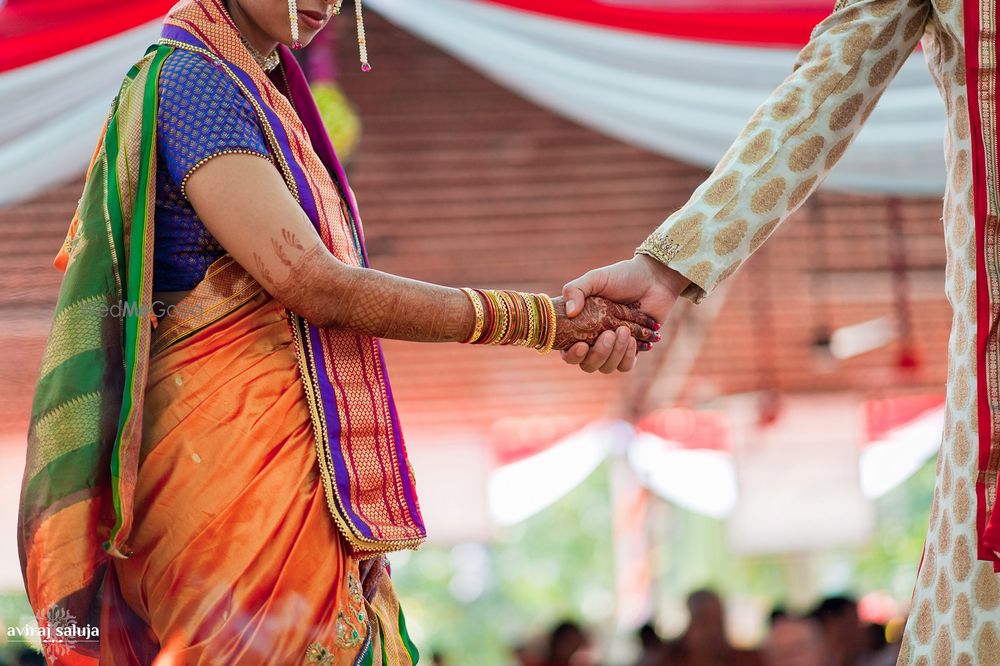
{"points": [[201, 115], [791, 143]]}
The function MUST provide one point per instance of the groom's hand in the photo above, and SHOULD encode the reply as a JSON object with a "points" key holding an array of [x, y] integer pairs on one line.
{"points": [[640, 279]]}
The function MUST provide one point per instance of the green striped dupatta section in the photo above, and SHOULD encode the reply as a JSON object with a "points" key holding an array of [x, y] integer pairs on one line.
{"points": [[86, 420]]}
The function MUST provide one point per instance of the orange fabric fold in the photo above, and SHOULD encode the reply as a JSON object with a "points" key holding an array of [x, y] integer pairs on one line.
{"points": [[235, 558]]}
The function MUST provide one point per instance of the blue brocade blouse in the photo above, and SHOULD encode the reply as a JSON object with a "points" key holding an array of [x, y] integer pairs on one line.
{"points": [[202, 114]]}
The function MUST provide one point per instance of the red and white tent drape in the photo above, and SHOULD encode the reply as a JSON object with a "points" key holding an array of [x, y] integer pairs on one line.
{"points": [[678, 77], [60, 65], [51, 112], [695, 459]]}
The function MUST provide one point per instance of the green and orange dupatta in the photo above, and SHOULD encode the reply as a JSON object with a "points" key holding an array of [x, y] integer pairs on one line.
{"points": [[86, 418]]}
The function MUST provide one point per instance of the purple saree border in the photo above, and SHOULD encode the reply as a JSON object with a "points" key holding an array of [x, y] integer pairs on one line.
{"points": [[408, 487], [321, 144], [309, 114], [320, 139]]}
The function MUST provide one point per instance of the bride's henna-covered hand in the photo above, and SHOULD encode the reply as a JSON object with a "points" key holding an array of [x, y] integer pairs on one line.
{"points": [[601, 315]]}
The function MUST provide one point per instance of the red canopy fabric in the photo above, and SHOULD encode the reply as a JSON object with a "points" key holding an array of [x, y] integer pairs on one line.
{"points": [[31, 30], [884, 416], [764, 23], [692, 429], [515, 439]]}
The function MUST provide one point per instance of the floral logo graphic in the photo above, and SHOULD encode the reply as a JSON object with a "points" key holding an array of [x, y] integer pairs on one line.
{"points": [[58, 631]]}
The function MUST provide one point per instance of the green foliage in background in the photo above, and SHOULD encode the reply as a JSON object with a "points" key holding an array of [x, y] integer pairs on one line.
{"points": [[14, 612], [340, 118], [556, 565], [559, 564]]}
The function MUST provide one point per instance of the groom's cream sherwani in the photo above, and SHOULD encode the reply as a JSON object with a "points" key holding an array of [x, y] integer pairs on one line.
{"points": [[789, 145]]}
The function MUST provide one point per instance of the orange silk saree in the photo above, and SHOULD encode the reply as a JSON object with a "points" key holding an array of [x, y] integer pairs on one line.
{"points": [[214, 488], [235, 559]]}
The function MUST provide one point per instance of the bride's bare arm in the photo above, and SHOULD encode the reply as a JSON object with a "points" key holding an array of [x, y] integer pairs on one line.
{"points": [[244, 203]]}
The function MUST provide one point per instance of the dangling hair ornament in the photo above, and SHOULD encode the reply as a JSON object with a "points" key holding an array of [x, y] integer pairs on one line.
{"points": [[362, 45], [293, 17]]}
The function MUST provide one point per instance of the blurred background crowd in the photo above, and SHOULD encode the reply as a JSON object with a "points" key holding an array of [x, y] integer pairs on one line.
{"points": [[831, 634]]}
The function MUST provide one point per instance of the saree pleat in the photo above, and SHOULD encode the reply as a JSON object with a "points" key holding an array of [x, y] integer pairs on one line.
{"points": [[235, 558]]}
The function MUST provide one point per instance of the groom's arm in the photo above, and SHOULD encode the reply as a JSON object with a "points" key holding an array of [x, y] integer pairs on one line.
{"points": [[782, 155], [792, 142]]}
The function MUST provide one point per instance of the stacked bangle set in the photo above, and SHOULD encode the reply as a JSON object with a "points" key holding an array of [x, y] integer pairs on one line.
{"points": [[512, 318]]}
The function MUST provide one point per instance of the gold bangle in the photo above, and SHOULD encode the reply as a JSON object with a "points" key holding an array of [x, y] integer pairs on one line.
{"points": [[519, 335], [490, 329], [553, 323], [543, 306], [510, 332], [493, 318], [477, 306], [504, 325], [530, 304], [543, 335]]}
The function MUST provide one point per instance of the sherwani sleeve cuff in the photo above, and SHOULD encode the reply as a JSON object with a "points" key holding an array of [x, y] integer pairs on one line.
{"points": [[664, 249]]}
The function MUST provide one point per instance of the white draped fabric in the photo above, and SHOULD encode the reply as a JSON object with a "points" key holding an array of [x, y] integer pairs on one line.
{"points": [[521, 489], [699, 480], [51, 112], [682, 99]]}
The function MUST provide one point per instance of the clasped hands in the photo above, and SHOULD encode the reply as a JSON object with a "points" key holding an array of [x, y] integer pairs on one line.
{"points": [[610, 314]]}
